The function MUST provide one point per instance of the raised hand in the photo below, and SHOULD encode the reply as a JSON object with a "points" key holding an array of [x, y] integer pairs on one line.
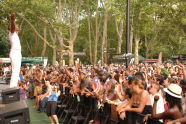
{"points": [[120, 79], [123, 115], [156, 98], [146, 118], [13, 16]]}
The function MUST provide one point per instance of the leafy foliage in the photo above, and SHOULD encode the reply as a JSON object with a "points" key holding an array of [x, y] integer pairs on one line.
{"points": [[161, 25]]}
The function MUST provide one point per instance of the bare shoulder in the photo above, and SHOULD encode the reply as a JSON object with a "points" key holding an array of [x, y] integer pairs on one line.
{"points": [[145, 93], [174, 112]]}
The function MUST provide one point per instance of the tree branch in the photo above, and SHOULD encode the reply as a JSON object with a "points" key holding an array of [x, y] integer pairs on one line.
{"points": [[29, 47], [34, 29], [59, 36]]}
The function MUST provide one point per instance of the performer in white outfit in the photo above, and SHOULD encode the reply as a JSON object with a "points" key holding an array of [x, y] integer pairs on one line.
{"points": [[15, 52]]}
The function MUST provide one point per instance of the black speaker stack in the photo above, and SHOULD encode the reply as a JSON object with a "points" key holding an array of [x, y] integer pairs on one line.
{"points": [[10, 95], [12, 110]]}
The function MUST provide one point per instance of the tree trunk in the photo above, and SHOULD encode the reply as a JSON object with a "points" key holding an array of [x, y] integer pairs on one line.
{"points": [[54, 56], [59, 16], [160, 58], [89, 37], [136, 54], [44, 43], [61, 59], [71, 55], [147, 48], [131, 39], [119, 45], [104, 40], [74, 21], [36, 45], [119, 30], [97, 34], [54, 39], [180, 42]]}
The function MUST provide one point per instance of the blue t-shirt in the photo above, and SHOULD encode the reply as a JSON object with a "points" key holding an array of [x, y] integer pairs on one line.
{"points": [[52, 97], [21, 77]]}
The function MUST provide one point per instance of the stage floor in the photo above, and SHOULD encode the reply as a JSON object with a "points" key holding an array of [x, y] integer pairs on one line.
{"points": [[35, 116]]}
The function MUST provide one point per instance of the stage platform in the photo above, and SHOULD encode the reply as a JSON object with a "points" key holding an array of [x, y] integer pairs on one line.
{"points": [[35, 116]]}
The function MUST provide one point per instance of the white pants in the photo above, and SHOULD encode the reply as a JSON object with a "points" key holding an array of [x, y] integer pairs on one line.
{"points": [[15, 57]]}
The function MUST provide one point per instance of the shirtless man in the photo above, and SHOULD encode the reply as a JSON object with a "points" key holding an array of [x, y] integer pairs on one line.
{"points": [[15, 52]]}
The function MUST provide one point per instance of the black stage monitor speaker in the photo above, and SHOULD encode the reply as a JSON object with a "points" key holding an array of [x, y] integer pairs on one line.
{"points": [[14, 113], [10, 95]]}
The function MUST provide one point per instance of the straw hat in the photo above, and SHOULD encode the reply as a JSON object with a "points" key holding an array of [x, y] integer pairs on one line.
{"points": [[174, 90]]}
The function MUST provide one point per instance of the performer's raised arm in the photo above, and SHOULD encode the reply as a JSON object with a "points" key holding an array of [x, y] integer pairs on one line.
{"points": [[12, 26]]}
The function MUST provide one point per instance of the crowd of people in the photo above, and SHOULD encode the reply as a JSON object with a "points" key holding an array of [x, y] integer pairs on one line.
{"points": [[139, 92], [155, 91]]}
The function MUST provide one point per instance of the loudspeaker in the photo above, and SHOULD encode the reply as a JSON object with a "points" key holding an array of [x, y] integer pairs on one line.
{"points": [[10, 95], [14, 113]]}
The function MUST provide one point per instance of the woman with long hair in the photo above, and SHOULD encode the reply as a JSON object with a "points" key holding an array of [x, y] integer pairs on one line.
{"points": [[139, 103]]}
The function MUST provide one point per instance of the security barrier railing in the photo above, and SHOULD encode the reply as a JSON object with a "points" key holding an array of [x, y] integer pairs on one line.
{"points": [[86, 109]]}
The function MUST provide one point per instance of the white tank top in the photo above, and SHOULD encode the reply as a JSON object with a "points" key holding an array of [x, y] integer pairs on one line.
{"points": [[14, 41]]}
